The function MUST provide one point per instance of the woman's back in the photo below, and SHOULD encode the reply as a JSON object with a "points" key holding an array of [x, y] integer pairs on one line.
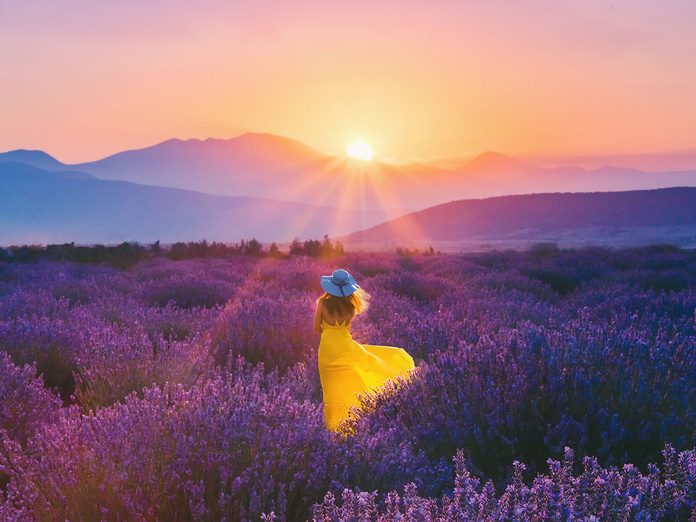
{"points": [[337, 319], [333, 311]]}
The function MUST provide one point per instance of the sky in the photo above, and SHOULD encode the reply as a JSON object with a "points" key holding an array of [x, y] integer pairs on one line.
{"points": [[418, 80]]}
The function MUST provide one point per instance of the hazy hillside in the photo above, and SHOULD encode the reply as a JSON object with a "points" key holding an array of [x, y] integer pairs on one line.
{"points": [[33, 158], [650, 162], [37, 206], [268, 166], [207, 165], [572, 219], [273, 167], [492, 174]]}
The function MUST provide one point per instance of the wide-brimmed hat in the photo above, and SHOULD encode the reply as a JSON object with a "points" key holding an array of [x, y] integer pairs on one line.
{"points": [[340, 283]]}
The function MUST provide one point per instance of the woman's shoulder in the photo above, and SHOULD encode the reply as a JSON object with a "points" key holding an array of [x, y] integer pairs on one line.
{"points": [[334, 319]]}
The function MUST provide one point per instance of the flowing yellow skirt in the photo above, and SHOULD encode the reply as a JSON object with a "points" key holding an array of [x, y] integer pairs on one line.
{"points": [[347, 367]]}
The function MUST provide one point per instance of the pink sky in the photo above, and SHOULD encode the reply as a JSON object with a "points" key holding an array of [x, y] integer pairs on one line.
{"points": [[416, 79]]}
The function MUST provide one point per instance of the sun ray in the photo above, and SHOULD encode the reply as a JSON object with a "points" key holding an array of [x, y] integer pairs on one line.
{"points": [[363, 194]]}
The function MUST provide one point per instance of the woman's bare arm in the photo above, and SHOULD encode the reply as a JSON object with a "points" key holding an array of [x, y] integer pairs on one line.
{"points": [[317, 318]]}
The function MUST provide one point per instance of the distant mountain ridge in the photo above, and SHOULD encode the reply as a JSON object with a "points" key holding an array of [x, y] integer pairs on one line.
{"points": [[274, 167], [495, 162], [273, 188], [39, 206], [571, 219], [256, 165], [33, 158], [249, 150]]}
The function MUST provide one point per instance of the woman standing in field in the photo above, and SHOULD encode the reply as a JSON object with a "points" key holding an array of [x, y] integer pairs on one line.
{"points": [[346, 367]]}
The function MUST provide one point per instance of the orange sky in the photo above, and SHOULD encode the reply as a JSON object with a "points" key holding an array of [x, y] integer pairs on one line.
{"points": [[415, 79]]}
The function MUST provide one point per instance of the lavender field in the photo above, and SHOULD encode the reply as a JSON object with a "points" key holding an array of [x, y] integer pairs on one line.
{"points": [[553, 385]]}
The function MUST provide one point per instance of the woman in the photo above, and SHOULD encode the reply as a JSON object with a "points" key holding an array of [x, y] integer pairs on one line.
{"points": [[346, 367]]}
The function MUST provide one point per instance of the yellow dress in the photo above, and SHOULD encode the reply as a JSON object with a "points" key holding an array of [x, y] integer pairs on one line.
{"points": [[347, 367]]}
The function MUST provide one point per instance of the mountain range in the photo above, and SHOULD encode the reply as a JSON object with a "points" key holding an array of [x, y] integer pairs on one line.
{"points": [[260, 185], [40, 206], [569, 219], [274, 167]]}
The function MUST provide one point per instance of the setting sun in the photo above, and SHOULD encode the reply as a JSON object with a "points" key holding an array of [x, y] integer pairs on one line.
{"points": [[360, 149]]}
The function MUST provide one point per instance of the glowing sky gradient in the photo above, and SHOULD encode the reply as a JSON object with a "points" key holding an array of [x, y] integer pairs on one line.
{"points": [[415, 79]]}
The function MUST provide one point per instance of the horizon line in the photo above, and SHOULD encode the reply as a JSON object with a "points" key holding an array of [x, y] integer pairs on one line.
{"points": [[455, 160]]}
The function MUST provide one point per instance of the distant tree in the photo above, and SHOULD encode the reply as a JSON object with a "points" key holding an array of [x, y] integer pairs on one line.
{"points": [[253, 248], [198, 249], [99, 253], [327, 249], [220, 250], [274, 252], [339, 250], [178, 251], [406, 253], [26, 253], [125, 255], [312, 248], [544, 249], [296, 247], [316, 248]]}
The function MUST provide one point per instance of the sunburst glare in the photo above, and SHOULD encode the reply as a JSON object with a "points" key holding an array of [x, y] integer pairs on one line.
{"points": [[360, 149]]}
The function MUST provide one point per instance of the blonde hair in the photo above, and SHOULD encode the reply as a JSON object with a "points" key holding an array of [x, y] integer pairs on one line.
{"points": [[357, 302]]}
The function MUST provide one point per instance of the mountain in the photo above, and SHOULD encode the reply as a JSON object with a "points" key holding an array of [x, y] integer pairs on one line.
{"points": [[570, 219], [494, 162], [34, 158], [273, 167], [492, 174], [39, 206], [650, 162], [268, 166], [211, 165]]}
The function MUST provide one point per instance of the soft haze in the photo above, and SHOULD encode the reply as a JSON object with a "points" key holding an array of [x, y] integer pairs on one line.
{"points": [[416, 80]]}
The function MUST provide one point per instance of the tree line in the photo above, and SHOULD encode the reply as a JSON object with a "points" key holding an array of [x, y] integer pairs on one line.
{"points": [[125, 255]]}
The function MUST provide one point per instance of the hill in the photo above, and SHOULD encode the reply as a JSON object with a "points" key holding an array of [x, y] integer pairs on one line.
{"points": [[38, 206], [33, 158], [274, 167], [269, 166], [570, 219]]}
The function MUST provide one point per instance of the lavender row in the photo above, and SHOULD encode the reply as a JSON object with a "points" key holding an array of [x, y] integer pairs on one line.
{"points": [[190, 390]]}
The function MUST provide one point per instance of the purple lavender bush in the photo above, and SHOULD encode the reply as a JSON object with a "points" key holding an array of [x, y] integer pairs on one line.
{"points": [[602, 380], [190, 390], [25, 404], [596, 493], [233, 448]]}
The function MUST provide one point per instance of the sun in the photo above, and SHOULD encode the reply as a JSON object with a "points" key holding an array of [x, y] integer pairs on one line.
{"points": [[360, 149]]}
